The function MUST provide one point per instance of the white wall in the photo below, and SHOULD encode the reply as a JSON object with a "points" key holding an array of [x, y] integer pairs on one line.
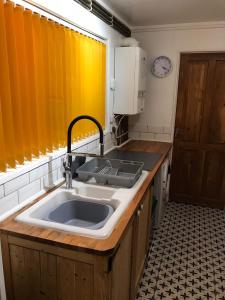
{"points": [[157, 121]]}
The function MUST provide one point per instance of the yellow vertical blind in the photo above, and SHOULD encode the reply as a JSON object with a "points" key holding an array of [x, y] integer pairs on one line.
{"points": [[49, 74]]}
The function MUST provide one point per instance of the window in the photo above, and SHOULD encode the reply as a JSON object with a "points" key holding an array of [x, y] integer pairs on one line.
{"points": [[49, 75]]}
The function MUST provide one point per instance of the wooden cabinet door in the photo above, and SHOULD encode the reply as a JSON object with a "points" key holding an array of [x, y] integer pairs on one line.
{"points": [[141, 240], [198, 168], [75, 280], [39, 275], [26, 277], [121, 268]]}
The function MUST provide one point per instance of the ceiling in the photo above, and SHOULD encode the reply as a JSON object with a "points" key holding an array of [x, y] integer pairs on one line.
{"points": [[158, 12]]}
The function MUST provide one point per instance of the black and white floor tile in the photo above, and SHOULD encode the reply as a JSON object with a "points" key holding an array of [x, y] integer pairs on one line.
{"points": [[187, 257]]}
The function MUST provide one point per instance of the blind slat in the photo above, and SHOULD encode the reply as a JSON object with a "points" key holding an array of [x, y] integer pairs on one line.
{"points": [[37, 68], [2, 143], [13, 76], [31, 88], [5, 95], [23, 80]]}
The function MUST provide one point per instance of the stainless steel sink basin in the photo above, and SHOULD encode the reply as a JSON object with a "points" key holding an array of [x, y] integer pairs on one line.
{"points": [[81, 213]]}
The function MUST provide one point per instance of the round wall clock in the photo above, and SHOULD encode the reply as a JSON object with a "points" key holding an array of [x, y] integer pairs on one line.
{"points": [[162, 66]]}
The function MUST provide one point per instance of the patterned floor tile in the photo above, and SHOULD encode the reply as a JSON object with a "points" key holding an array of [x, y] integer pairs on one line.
{"points": [[186, 260]]}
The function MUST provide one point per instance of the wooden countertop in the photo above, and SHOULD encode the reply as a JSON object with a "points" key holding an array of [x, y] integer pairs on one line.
{"points": [[86, 244]]}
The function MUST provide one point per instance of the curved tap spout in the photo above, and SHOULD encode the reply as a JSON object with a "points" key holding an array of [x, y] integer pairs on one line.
{"points": [[68, 163], [85, 117]]}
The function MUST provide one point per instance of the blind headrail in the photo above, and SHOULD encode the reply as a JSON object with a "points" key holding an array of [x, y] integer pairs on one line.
{"points": [[61, 18]]}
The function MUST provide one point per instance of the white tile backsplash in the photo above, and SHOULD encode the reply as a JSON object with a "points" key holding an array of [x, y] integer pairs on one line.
{"points": [[167, 130], [29, 190], [60, 173], [83, 149], [107, 139], [1, 191], [8, 202], [142, 131], [55, 164], [15, 184], [91, 146], [50, 179], [147, 136], [41, 177], [163, 137], [134, 135], [39, 172]]}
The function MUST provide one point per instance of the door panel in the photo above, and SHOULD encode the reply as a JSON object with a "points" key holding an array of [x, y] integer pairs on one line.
{"points": [[213, 179], [198, 171], [194, 97], [217, 118], [191, 95], [186, 179]]}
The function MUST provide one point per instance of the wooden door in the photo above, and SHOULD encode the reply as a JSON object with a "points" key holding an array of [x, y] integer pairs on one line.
{"points": [[198, 167], [141, 240]]}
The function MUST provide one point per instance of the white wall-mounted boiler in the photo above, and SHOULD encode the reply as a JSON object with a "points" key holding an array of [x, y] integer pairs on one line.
{"points": [[130, 80]]}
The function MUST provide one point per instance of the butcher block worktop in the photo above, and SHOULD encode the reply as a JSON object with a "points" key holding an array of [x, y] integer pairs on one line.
{"points": [[70, 241]]}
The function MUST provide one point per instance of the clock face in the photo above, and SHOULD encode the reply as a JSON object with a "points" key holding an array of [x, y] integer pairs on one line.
{"points": [[162, 66]]}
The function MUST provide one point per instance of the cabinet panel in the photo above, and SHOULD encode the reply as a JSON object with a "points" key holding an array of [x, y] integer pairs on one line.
{"points": [[25, 266], [75, 280], [121, 272], [48, 276], [84, 279], [141, 240], [65, 278], [38, 275]]}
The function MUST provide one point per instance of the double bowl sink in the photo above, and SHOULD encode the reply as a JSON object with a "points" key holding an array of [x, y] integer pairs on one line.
{"points": [[86, 209]]}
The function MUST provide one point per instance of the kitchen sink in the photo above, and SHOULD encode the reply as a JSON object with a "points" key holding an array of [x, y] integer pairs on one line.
{"points": [[86, 209], [81, 213]]}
